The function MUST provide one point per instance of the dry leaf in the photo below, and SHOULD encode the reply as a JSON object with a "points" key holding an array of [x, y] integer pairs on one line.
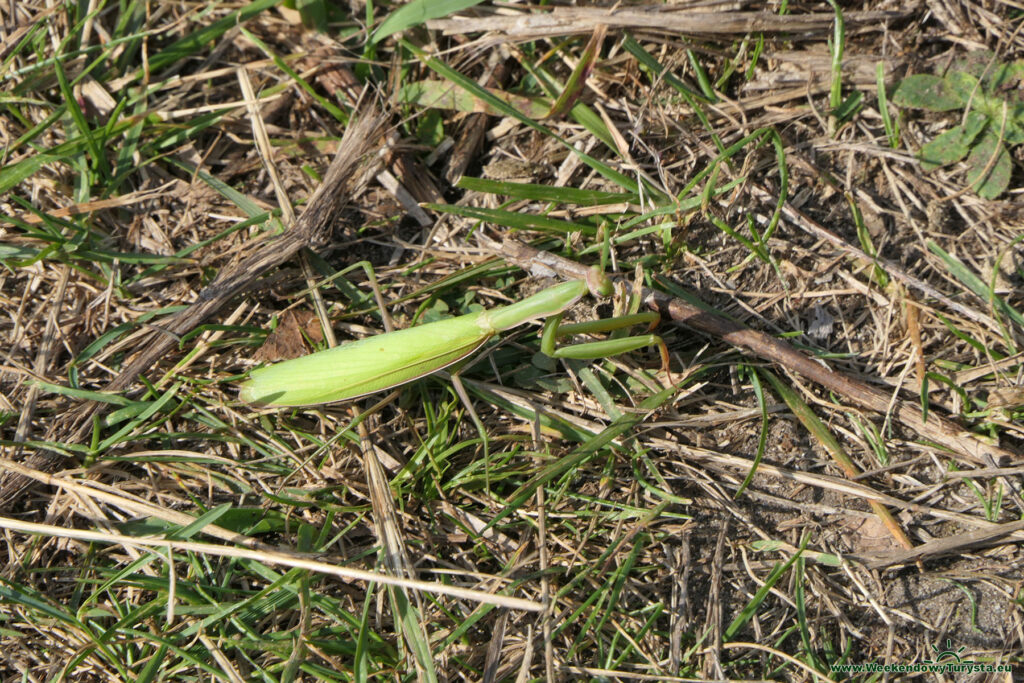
{"points": [[288, 340]]}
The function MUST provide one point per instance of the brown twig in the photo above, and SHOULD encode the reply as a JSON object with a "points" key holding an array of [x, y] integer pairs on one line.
{"points": [[563, 21], [938, 547]]}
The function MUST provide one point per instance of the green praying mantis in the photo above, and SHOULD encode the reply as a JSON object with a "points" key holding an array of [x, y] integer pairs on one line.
{"points": [[385, 361]]}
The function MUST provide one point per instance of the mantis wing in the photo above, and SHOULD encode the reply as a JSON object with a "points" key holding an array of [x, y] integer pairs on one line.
{"points": [[368, 365]]}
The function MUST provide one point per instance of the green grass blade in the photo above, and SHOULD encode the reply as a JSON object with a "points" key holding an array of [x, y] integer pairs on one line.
{"points": [[825, 437], [195, 41], [417, 12], [454, 76], [151, 408], [516, 221], [582, 454], [750, 609], [976, 285], [762, 439], [578, 78], [545, 193]]}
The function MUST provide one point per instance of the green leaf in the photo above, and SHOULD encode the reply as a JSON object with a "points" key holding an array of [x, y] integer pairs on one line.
{"points": [[1014, 133], [974, 124], [975, 63], [994, 74], [989, 154], [925, 91], [430, 128], [954, 144], [418, 12], [313, 13], [990, 105], [964, 85], [945, 149], [1009, 76]]}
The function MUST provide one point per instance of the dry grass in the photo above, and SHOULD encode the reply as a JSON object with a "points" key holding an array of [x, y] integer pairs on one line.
{"points": [[834, 479]]}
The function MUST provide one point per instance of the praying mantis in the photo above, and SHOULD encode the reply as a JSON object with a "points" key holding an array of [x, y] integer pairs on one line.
{"points": [[385, 361]]}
